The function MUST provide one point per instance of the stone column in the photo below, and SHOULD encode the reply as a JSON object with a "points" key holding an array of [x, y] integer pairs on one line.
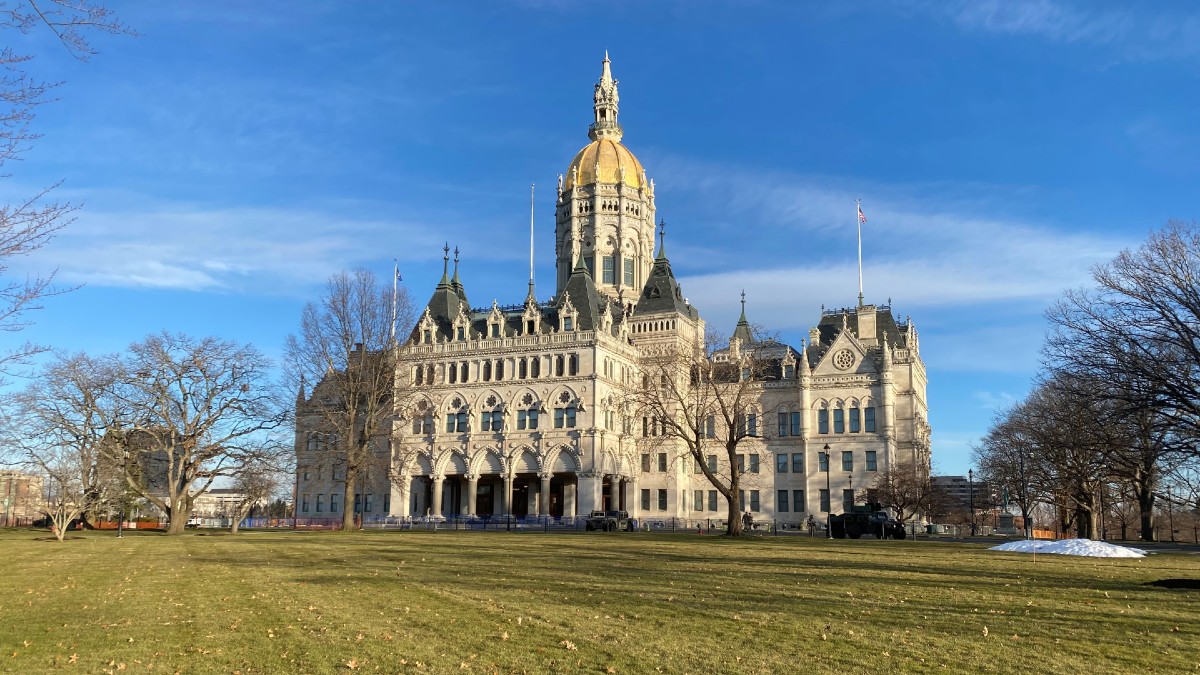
{"points": [[589, 492], [569, 500], [633, 505], [506, 496], [436, 506], [401, 506], [472, 493], [531, 506], [544, 504]]}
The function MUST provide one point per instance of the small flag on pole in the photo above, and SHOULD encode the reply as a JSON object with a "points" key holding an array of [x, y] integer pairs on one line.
{"points": [[862, 218]]}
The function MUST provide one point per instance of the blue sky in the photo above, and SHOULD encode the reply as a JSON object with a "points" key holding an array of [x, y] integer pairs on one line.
{"points": [[235, 154]]}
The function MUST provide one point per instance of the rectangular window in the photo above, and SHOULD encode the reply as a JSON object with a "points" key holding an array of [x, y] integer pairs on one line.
{"points": [[450, 423], [462, 422], [823, 462], [754, 462], [662, 462], [333, 503], [847, 500], [741, 500], [320, 503], [710, 427], [822, 421], [712, 463], [839, 421], [560, 418], [628, 271], [610, 273], [755, 504], [855, 425], [789, 372], [495, 330], [485, 421], [387, 502], [306, 474], [782, 501], [662, 500], [847, 460], [645, 500], [872, 463], [795, 424], [797, 462], [752, 418], [522, 419], [645, 462], [696, 468], [783, 424], [825, 501], [741, 463], [698, 500], [712, 500], [357, 502], [304, 503], [798, 501], [367, 504], [781, 463], [568, 325], [571, 417], [533, 419], [869, 420]]}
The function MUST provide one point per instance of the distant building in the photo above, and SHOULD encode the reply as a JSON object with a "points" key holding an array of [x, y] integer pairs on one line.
{"points": [[959, 493], [516, 409], [22, 498]]}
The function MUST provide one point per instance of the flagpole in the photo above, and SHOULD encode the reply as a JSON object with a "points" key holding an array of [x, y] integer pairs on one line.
{"points": [[395, 296], [858, 222]]}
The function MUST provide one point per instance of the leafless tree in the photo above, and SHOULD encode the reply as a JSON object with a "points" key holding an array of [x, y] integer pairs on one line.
{"points": [[346, 344], [69, 408], [256, 483], [702, 398], [202, 409], [905, 488], [28, 224]]}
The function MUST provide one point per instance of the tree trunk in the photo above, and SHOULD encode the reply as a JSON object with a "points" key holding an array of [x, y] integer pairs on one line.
{"points": [[1145, 498], [177, 517], [733, 527], [348, 501]]}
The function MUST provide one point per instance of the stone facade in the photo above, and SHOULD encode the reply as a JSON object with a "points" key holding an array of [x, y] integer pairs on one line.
{"points": [[518, 410]]}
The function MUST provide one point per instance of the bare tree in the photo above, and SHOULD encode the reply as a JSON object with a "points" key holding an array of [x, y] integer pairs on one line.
{"points": [[346, 345], [28, 224], [703, 397], [256, 483], [202, 409], [70, 409], [905, 488]]}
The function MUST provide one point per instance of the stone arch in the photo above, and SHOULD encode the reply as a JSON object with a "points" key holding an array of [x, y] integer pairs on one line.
{"points": [[488, 462], [609, 462], [448, 399], [556, 395], [424, 464], [453, 463], [821, 404], [518, 397], [564, 460], [480, 402], [525, 460]]}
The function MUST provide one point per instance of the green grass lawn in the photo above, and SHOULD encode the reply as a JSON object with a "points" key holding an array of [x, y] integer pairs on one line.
{"points": [[267, 602]]}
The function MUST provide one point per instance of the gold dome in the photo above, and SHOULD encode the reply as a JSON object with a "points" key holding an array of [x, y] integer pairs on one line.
{"points": [[612, 157]]}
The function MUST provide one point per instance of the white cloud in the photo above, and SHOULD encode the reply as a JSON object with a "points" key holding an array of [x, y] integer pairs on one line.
{"points": [[226, 249], [1146, 32]]}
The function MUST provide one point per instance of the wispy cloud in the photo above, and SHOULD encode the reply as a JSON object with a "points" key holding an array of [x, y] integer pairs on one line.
{"points": [[222, 249], [1147, 31], [944, 248]]}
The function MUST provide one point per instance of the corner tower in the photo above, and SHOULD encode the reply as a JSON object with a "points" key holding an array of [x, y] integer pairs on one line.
{"points": [[605, 211]]}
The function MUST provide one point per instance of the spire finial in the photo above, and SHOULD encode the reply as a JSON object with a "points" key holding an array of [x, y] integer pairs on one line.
{"points": [[742, 319], [662, 239], [605, 102], [445, 265]]}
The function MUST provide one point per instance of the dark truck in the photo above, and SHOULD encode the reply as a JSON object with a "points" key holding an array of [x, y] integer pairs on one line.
{"points": [[609, 521], [868, 519]]}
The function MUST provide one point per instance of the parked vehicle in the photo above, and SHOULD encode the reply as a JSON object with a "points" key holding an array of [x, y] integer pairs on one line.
{"points": [[609, 521], [868, 519]]}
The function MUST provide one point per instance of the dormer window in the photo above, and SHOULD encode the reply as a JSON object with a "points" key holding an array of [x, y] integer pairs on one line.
{"points": [[568, 324], [495, 330], [462, 333], [789, 372], [427, 336]]}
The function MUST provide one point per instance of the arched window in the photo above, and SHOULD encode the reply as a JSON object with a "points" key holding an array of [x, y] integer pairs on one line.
{"points": [[573, 364], [487, 371], [522, 369], [559, 365], [452, 374], [536, 367]]}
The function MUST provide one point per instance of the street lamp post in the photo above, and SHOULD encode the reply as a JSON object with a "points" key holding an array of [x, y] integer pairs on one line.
{"points": [[121, 497], [828, 495], [971, 490], [850, 480]]}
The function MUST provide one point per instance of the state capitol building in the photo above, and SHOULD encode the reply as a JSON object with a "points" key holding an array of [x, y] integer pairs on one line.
{"points": [[522, 409]]}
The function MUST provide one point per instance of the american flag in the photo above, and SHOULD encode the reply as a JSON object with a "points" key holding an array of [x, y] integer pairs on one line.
{"points": [[861, 217]]}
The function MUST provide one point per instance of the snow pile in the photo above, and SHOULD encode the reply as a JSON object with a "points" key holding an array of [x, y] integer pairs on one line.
{"points": [[1083, 547]]}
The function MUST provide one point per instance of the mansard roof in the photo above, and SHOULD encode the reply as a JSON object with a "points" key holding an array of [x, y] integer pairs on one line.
{"points": [[885, 325], [662, 292]]}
